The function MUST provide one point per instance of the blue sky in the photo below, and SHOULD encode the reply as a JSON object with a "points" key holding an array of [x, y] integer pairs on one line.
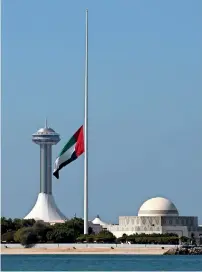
{"points": [[145, 114]]}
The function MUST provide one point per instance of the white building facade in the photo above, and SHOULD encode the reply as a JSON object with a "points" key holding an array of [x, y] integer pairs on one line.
{"points": [[157, 215]]}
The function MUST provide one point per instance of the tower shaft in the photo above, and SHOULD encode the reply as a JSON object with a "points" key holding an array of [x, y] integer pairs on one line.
{"points": [[46, 168]]}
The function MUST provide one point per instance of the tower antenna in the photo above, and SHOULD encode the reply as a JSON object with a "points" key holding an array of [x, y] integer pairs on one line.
{"points": [[46, 123]]}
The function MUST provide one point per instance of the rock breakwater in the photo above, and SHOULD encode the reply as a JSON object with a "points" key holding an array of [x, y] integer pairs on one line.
{"points": [[184, 251]]}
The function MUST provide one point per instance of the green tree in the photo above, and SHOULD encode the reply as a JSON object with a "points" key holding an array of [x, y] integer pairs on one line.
{"points": [[154, 238], [8, 237], [26, 236], [6, 225], [122, 239], [89, 238], [18, 234], [82, 238], [50, 236], [76, 225], [61, 235], [105, 237], [28, 222], [17, 223], [193, 240], [41, 229], [184, 239]]}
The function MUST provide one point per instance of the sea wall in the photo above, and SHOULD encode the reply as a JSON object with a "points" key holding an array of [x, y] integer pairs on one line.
{"points": [[47, 245]]}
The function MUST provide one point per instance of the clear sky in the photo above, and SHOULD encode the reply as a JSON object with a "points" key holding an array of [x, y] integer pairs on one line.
{"points": [[145, 95]]}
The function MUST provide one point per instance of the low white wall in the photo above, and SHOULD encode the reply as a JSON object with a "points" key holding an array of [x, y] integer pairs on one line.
{"points": [[89, 245]]}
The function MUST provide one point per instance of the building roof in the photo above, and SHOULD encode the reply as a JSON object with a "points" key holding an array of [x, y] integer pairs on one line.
{"points": [[46, 129], [158, 206], [98, 221]]}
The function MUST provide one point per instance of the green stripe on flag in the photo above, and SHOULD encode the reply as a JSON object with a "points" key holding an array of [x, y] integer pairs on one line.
{"points": [[69, 144]]}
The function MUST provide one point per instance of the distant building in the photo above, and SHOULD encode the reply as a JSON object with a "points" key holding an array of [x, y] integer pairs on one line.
{"points": [[157, 215], [98, 221], [96, 228]]}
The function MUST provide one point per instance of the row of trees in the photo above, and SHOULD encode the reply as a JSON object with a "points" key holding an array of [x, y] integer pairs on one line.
{"points": [[29, 232], [107, 237]]}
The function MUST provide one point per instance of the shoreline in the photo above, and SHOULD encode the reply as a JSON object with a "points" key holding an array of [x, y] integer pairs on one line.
{"points": [[66, 250]]}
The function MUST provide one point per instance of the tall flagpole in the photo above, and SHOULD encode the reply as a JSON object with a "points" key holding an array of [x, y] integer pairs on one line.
{"points": [[86, 135]]}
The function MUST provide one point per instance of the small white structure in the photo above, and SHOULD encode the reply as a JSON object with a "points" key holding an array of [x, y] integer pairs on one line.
{"points": [[98, 221], [157, 215]]}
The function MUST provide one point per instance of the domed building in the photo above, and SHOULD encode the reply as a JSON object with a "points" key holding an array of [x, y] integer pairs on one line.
{"points": [[157, 215]]}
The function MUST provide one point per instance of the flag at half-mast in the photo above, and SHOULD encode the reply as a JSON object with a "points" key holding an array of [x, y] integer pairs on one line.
{"points": [[70, 152]]}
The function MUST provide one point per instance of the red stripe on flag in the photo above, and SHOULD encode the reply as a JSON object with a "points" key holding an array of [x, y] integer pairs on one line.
{"points": [[79, 148]]}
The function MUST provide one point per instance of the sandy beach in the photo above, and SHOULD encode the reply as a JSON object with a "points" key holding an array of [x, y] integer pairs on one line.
{"points": [[66, 250]]}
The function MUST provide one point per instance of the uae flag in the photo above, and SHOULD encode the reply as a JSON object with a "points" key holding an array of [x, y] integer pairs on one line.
{"points": [[70, 152]]}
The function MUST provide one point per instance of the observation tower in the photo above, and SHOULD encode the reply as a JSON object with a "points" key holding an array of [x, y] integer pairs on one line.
{"points": [[45, 208]]}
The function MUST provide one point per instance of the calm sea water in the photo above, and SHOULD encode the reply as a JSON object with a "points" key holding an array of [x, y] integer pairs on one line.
{"points": [[100, 263]]}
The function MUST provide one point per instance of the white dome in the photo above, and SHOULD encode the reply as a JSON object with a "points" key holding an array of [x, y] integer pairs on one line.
{"points": [[158, 206], [98, 221]]}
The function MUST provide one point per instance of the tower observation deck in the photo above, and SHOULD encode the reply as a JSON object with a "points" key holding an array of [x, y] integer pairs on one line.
{"points": [[45, 208]]}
